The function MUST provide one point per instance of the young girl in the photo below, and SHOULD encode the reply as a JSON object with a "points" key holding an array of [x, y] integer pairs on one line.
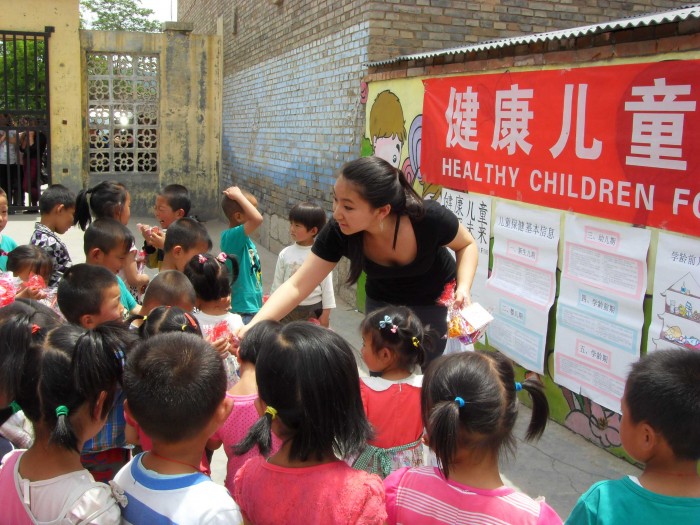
{"points": [[244, 414], [210, 279], [112, 200], [469, 407], [393, 347], [309, 398], [23, 326], [79, 374], [25, 261], [7, 244]]}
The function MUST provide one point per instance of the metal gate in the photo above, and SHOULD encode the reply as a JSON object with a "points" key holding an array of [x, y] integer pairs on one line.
{"points": [[25, 138], [123, 103]]}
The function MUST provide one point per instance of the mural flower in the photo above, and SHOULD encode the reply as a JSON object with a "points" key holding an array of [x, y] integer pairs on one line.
{"points": [[592, 421]]}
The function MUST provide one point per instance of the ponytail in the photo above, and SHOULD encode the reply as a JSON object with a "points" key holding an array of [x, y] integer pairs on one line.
{"points": [[540, 408], [82, 216], [63, 433], [260, 435], [443, 430]]}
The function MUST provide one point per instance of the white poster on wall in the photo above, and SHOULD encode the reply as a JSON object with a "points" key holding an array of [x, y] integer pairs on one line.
{"points": [[675, 317], [600, 310], [474, 212], [522, 285]]}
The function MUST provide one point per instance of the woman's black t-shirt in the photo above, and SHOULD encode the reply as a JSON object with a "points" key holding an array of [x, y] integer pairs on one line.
{"points": [[420, 282]]}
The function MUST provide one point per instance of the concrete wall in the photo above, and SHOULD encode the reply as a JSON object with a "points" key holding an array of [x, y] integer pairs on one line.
{"points": [[189, 117], [65, 79]]}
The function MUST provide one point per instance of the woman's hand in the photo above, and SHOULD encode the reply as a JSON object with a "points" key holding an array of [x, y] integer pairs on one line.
{"points": [[462, 297], [467, 255]]}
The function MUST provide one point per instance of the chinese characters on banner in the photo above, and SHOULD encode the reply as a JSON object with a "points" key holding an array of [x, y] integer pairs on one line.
{"points": [[617, 142], [675, 317], [600, 309], [522, 285], [474, 212]]}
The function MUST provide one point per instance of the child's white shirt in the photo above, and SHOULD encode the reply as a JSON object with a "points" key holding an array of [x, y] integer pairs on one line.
{"points": [[289, 261]]}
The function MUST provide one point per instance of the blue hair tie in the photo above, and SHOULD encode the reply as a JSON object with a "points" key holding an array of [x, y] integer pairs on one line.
{"points": [[459, 401], [518, 387]]}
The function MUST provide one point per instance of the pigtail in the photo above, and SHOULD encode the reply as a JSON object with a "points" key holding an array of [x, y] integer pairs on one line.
{"points": [[540, 407], [83, 217], [233, 267], [63, 433], [443, 431], [260, 435]]}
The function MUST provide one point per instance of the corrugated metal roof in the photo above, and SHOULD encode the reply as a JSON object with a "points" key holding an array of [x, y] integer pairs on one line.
{"points": [[692, 11]]}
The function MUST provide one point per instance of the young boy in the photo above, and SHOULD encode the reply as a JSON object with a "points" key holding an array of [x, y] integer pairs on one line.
{"points": [[172, 203], [185, 238], [89, 296], [169, 288], [241, 210], [56, 207], [7, 244], [305, 221], [660, 427], [107, 243], [175, 387]]}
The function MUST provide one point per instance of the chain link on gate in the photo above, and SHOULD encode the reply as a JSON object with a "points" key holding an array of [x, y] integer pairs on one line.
{"points": [[25, 138]]}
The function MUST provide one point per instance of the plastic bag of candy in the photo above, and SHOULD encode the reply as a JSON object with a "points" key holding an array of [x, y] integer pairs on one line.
{"points": [[466, 324], [9, 286]]}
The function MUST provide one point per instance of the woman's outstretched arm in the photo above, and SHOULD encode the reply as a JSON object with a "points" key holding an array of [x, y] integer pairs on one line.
{"points": [[467, 254]]}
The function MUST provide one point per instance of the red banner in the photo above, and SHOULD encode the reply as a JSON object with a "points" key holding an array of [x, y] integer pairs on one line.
{"points": [[619, 142]]}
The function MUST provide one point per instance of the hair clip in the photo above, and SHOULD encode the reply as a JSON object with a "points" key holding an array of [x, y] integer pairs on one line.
{"points": [[415, 341], [202, 258], [271, 411], [15, 407], [388, 323], [221, 257], [518, 386], [459, 401], [61, 410], [145, 318], [191, 320], [35, 328]]}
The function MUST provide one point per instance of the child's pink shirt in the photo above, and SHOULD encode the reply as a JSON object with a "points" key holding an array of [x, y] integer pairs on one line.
{"points": [[328, 493], [423, 496], [234, 429]]}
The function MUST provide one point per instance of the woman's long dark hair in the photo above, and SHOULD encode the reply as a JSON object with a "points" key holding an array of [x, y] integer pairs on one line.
{"points": [[379, 183]]}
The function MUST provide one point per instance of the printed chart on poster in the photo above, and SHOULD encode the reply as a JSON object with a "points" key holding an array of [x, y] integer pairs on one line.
{"points": [[600, 309], [675, 318], [474, 212], [522, 285]]}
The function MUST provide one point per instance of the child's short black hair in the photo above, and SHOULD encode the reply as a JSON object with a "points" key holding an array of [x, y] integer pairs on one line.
{"points": [[106, 199], [186, 233], [55, 195], [168, 319], [468, 400], [403, 334], [210, 276], [231, 206], [308, 374], [309, 215], [107, 235], [663, 390], [81, 290], [174, 383], [32, 257], [177, 197], [24, 324], [168, 288], [76, 366]]}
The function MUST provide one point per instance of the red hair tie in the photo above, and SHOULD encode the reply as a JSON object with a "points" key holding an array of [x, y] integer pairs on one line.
{"points": [[35, 328]]}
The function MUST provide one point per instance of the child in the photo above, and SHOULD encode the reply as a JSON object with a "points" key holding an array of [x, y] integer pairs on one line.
{"points": [[179, 399], [25, 261], [89, 295], [6, 243], [310, 399], [78, 377], [107, 243], [469, 407], [244, 218], [172, 203], [244, 413], [393, 346], [185, 238], [305, 221], [660, 427], [111, 200], [169, 288], [56, 206]]}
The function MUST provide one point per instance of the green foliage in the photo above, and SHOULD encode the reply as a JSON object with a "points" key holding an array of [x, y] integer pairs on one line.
{"points": [[117, 15], [22, 74]]}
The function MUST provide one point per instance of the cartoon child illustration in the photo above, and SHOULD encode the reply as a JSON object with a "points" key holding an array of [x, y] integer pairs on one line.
{"points": [[387, 127]]}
